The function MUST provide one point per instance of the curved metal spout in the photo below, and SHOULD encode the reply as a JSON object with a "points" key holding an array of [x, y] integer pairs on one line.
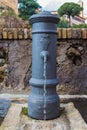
{"points": [[45, 55]]}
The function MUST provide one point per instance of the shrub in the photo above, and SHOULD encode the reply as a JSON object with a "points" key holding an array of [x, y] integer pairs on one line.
{"points": [[8, 12], [63, 24], [80, 26]]}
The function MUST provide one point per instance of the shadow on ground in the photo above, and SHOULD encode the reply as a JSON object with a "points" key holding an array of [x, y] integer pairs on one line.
{"points": [[1, 120], [81, 105]]}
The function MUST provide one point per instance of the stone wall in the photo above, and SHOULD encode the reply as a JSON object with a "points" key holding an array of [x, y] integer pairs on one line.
{"points": [[72, 66], [11, 3], [72, 61], [15, 57], [15, 53]]}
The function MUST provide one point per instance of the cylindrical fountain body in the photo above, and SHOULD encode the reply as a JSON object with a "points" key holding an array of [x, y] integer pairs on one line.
{"points": [[44, 38]]}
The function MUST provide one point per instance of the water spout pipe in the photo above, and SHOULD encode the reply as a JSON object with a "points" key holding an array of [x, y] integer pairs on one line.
{"points": [[45, 55]]}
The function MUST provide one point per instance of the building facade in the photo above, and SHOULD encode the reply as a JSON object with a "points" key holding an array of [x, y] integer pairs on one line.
{"points": [[80, 2], [76, 20]]}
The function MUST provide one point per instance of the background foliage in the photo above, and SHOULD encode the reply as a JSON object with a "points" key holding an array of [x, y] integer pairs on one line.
{"points": [[27, 8]]}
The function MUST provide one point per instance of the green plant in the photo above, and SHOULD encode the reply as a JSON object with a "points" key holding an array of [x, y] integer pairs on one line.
{"points": [[8, 12], [27, 8], [25, 110], [80, 26], [63, 24], [70, 9]]}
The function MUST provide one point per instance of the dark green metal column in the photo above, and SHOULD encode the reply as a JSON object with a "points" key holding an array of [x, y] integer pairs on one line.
{"points": [[44, 38]]}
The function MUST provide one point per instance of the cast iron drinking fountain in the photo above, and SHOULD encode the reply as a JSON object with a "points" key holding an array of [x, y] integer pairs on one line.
{"points": [[43, 102]]}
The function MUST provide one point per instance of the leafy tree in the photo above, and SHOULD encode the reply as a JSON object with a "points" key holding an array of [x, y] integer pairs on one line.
{"points": [[70, 9], [27, 8]]}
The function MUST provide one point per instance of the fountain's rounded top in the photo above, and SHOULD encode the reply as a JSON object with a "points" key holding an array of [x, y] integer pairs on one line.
{"points": [[44, 16]]}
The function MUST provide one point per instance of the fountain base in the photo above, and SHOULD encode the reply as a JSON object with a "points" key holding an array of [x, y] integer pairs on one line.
{"points": [[37, 103], [70, 118]]}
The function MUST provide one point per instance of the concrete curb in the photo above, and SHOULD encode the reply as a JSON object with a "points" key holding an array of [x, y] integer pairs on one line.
{"points": [[16, 96]]}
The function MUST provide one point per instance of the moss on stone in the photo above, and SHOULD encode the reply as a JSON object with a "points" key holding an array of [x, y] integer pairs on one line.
{"points": [[24, 111]]}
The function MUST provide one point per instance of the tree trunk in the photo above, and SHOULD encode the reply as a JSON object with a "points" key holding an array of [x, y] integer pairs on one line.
{"points": [[70, 20]]}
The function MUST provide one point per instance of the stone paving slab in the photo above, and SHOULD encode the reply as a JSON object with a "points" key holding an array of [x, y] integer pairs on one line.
{"points": [[61, 123], [70, 118], [12, 118], [75, 119]]}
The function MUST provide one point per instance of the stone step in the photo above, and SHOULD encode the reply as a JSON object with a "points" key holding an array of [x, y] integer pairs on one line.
{"points": [[25, 96], [12, 118], [70, 119], [75, 119]]}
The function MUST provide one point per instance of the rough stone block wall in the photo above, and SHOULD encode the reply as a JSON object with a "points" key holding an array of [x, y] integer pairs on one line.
{"points": [[11, 3], [72, 61], [15, 57], [15, 53]]}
